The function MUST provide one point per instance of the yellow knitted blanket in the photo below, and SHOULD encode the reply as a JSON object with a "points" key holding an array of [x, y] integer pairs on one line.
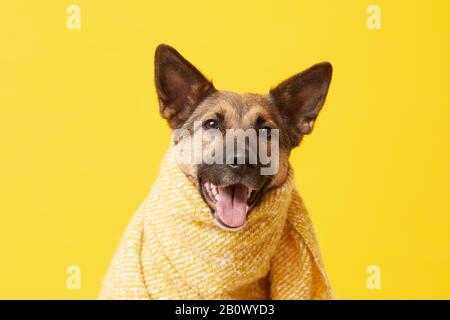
{"points": [[172, 248]]}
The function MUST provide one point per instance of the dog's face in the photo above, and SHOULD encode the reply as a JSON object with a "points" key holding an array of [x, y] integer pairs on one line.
{"points": [[192, 106]]}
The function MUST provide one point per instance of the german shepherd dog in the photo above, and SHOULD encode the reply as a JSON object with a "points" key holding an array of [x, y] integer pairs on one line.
{"points": [[190, 102]]}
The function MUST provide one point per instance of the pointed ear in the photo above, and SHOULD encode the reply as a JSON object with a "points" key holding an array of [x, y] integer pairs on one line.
{"points": [[179, 85], [301, 97]]}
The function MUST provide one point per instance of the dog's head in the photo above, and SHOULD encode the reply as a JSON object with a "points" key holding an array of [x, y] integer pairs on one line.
{"points": [[218, 119]]}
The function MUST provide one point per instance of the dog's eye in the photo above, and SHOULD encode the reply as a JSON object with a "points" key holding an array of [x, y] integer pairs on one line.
{"points": [[211, 124]]}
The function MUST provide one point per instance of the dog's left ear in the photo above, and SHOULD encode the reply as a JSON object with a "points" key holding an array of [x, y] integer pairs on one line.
{"points": [[301, 97], [180, 86]]}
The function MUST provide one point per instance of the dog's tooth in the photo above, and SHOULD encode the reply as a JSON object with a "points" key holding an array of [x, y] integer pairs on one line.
{"points": [[216, 196]]}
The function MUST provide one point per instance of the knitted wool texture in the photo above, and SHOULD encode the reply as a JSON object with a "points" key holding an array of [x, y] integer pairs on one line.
{"points": [[173, 249]]}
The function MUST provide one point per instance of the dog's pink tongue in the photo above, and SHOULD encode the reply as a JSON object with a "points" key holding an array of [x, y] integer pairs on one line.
{"points": [[231, 207]]}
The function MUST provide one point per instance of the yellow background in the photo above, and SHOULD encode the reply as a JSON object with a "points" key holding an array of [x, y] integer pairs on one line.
{"points": [[81, 138]]}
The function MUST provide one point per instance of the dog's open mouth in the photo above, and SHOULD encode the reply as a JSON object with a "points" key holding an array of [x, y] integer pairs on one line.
{"points": [[230, 203]]}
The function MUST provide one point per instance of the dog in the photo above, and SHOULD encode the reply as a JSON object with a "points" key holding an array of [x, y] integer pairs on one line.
{"points": [[228, 224], [186, 98]]}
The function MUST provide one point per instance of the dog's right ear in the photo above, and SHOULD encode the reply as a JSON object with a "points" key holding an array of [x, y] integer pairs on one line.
{"points": [[179, 85]]}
